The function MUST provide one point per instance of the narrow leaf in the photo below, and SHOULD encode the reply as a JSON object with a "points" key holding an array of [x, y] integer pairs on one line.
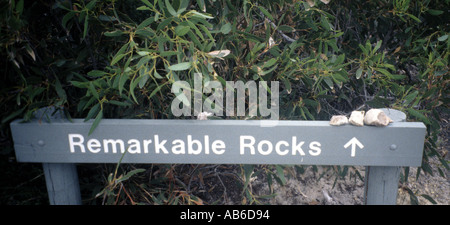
{"points": [[443, 38], [359, 72], [418, 115], [93, 90], [96, 121], [180, 66], [219, 53], [182, 30], [429, 198], [265, 12], [96, 73], [130, 174], [170, 8]]}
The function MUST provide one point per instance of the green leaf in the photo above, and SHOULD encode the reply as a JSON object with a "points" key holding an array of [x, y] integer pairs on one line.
{"points": [[285, 28], [164, 23], [96, 73], [59, 90], [384, 71], [156, 74], [143, 81], [248, 171], [114, 102], [13, 115], [435, 12], [19, 7], [86, 24], [157, 89], [412, 197], [119, 55], [170, 8], [117, 58], [377, 46], [324, 23], [93, 90], [363, 49], [78, 84], [66, 19], [147, 3], [443, 38], [96, 121], [129, 174], [181, 30], [92, 112], [143, 8], [201, 15], [146, 22], [133, 85], [226, 28], [429, 198], [413, 17], [180, 66], [269, 63], [122, 79], [280, 173], [107, 18], [418, 115], [359, 72], [91, 5], [287, 85], [115, 33], [265, 12], [411, 97]]}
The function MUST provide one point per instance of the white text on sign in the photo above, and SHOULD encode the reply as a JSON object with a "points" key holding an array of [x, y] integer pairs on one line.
{"points": [[249, 145]]}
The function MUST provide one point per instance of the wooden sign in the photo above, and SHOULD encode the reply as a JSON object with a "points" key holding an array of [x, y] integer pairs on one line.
{"points": [[218, 142]]}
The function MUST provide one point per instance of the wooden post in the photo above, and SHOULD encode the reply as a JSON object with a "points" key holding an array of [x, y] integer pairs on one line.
{"points": [[381, 185], [381, 182], [61, 178], [62, 183]]}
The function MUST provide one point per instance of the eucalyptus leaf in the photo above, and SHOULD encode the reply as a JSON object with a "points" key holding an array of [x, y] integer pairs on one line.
{"points": [[180, 66]]}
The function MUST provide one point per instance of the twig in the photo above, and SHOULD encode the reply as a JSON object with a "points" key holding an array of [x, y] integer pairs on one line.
{"points": [[224, 187], [287, 38]]}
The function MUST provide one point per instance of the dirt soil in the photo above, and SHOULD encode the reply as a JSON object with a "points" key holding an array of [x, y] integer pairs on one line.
{"points": [[308, 189]]}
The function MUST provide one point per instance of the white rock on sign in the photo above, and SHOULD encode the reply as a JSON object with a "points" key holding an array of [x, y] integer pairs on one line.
{"points": [[376, 117], [338, 120], [357, 118]]}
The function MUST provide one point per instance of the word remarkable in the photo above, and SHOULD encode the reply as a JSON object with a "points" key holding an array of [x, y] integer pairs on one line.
{"points": [[248, 145], [257, 98]]}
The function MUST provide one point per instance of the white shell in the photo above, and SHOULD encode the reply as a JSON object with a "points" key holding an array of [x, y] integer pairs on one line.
{"points": [[376, 117], [357, 118], [338, 120]]}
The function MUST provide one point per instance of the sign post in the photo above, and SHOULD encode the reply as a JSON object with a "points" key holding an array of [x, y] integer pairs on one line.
{"points": [[381, 182], [224, 142]]}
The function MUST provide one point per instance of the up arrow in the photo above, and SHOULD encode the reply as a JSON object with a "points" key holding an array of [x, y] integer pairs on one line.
{"points": [[354, 142]]}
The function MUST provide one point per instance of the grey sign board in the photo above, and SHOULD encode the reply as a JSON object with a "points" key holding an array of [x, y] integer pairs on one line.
{"points": [[218, 142]]}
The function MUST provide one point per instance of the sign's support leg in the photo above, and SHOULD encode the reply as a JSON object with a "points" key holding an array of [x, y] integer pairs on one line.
{"points": [[61, 178], [381, 182], [62, 183], [381, 185]]}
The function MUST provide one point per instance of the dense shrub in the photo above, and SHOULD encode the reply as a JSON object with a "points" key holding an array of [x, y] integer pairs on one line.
{"points": [[118, 59]]}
